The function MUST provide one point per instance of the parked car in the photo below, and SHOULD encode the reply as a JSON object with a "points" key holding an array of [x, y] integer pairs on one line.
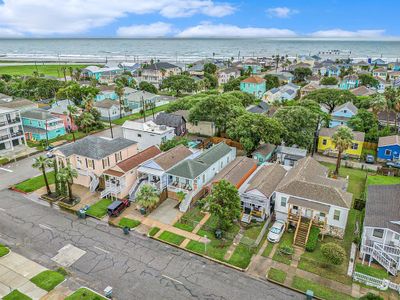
{"points": [[369, 159], [393, 164], [276, 231], [116, 208]]}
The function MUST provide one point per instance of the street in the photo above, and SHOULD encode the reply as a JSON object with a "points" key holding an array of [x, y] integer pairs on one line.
{"points": [[136, 267]]}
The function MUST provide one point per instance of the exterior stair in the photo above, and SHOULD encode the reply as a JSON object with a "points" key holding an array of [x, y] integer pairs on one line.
{"points": [[302, 232], [135, 188], [246, 218]]}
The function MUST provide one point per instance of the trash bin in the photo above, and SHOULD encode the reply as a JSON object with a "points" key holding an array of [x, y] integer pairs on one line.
{"points": [[108, 292], [218, 234], [126, 230], [309, 294], [143, 211], [81, 214]]}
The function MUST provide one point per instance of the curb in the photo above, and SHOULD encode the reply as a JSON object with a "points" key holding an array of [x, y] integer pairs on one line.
{"points": [[9, 252], [292, 288], [87, 288], [14, 189]]}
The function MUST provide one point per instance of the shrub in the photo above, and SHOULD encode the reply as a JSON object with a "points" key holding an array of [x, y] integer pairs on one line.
{"points": [[371, 296], [312, 239], [334, 253], [285, 249]]}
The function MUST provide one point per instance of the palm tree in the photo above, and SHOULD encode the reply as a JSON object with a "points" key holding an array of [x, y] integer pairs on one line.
{"points": [[67, 175], [77, 74], [41, 163], [390, 97], [119, 90], [72, 111], [64, 70], [163, 72], [71, 72], [378, 104], [396, 108], [342, 139], [87, 121], [88, 102], [147, 196]]}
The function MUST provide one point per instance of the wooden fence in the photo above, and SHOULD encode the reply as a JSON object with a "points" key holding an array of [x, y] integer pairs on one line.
{"points": [[229, 142], [389, 171], [370, 146]]}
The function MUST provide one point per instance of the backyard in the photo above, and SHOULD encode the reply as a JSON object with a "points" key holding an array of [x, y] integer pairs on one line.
{"points": [[35, 183]]}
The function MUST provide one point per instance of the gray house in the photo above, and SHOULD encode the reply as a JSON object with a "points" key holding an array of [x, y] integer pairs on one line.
{"points": [[171, 120], [381, 231]]}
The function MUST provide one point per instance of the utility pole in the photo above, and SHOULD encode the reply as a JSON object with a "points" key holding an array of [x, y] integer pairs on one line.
{"points": [[47, 136], [315, 141], [109, 121]]}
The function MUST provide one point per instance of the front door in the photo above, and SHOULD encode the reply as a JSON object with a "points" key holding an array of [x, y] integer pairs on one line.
{"points": [[308, 213]]}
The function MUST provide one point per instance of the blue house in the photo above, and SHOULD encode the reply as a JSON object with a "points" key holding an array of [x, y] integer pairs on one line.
{"points": [[342, 114], [101, 73], [106, 92], [40, 124], [333, 71], [349, 82], [389, 148], [253, 85], [255, 68]]}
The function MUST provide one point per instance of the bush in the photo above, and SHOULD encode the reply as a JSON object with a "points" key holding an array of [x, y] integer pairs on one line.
{"points": [[371, 296], [334, 253], [312, 239], [287, 250]]}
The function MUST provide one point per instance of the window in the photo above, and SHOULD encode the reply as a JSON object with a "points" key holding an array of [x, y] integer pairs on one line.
{"points": [[345, 111], [354, 146], [106, 162], [139, 135], [322, 215], [324, 142], [388, 152], [90, 163], [283, 201], [378, 233], [336, 215], [118, 156]]}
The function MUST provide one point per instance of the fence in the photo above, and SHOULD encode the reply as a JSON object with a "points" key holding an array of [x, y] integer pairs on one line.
{"points": [[389, 171], [229, 142], [382, 284], [370, 146]]}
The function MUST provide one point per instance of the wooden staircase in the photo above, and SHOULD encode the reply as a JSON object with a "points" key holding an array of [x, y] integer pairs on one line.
{"points": [[302, 232]]}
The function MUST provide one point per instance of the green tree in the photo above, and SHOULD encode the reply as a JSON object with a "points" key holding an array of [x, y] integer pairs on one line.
{"points": [[378, 104], [147, 196], [87, 121], [271, 81], [371, 296], [328, 81], [233, 84], [41, 163], [67, 175], [224, 203], [316, 108], [210, 68], [212, 80], [251, 129], [368, 80], [365, 121], [72, 111], [119, 90], [167, 145], [299, 123], [390, 95], [179, 83], [331, 97], [334, 253], [56, 181], [300, 74], [245, 98], [342, 140], [75, 92], [148, 87]]}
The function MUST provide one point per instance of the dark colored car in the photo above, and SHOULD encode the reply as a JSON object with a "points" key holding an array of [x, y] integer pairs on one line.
{"points": [[116, 208], [369, 159]]}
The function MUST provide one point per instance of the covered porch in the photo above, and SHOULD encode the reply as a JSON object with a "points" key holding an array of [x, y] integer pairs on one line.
{"points": [[177, 183], [153, 177], [113, 183], [310, 211], [253, 207]]}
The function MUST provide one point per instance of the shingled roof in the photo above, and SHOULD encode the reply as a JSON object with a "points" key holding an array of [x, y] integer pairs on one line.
{"points": [[267, 179], [171, 120], [173, 156], [329, 132]]}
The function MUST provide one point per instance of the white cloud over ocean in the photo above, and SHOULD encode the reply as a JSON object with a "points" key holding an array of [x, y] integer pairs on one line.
{"points": [[158, 29], [340, 33]]}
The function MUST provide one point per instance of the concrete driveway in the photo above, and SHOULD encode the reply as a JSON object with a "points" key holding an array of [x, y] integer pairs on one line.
{"points": [[166, 213]]}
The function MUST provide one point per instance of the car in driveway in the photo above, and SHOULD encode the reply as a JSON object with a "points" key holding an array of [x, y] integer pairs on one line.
{"points": [[276, 231]]}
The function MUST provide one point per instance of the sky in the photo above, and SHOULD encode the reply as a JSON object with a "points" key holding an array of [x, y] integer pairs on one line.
{"points": [[343, 19]]}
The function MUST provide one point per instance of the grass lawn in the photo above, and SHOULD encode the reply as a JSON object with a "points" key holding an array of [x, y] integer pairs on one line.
{"points": [[51, 70], [172, 238], [277, 275], [35, 183], [48, 280], [153, 231], [371, 271], [99, 209], [3, 250], [319, 290], [16, 295], [286, 240], [139, 115], [382, 180], [253, 230], [84, 294], [190, 219], [3, 160], [241, 257], [126, 222], [268, 249]]}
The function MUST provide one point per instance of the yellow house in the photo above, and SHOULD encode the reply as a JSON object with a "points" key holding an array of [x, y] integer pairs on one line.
{"points": [[326, 145]]}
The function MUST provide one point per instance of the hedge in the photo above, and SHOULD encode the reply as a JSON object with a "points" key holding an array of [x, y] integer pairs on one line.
{"points": [[312, 239]]}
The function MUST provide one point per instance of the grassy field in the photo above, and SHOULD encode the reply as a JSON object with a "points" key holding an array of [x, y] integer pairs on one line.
{"points": [[35, 183], [382, 180], [139, 115], [371, 271], [172, 238], [16, 295], [277, 275], [48, 280], [84, 294], [50, 70], [99, 209], [3, 250], [126, 222], [319, 290]]}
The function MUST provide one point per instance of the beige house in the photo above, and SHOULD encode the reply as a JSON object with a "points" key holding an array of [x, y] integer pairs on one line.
{"points": [[202, 127], [155, 73], [92, 156]]}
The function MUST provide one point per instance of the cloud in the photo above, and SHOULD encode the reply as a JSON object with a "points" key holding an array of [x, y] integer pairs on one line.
{"points": [[340, 33], [226, 30], [158, 29], [44, 17], [7, 32], [281, 12]]}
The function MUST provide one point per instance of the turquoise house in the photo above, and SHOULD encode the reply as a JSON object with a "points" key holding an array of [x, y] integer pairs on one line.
{"points": [[333, 71], [40, 125], [255, 68], [101, 73], [349, 82], [342, 114], [254, 85], [106, 94], [263, 153]]}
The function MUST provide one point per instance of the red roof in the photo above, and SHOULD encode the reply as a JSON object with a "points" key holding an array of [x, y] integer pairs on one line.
{"points": [[254, 79], [134, 161]]}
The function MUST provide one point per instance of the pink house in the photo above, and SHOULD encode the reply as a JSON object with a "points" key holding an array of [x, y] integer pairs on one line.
{"points": [[60, 109], [92, 156]]}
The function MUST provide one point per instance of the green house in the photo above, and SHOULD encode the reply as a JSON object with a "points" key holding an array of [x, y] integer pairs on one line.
{"points": [[264, 153], [253, 85]]}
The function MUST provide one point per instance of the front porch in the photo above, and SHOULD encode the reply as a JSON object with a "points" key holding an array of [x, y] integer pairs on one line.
{"points": [[113, 183], [386, 255], [253, 208]]}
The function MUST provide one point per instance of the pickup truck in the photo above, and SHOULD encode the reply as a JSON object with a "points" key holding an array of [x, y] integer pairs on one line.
{"points": [[116, 208]]}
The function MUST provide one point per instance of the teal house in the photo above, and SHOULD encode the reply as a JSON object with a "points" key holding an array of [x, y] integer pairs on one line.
{"points": [[101, 73], [40, 125], [253, 85], [349, 82], [255, 68], [106, 92], [264, 153]]}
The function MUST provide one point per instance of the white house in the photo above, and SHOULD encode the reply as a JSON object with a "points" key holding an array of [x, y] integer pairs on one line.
{"points": [[109, 109], [11, 130], [284, 92], [147, 134], [226, 74], [381, 231], [306, 196]]}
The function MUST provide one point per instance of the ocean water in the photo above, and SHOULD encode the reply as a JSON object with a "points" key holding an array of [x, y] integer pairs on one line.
{"points": [[180, 50]]}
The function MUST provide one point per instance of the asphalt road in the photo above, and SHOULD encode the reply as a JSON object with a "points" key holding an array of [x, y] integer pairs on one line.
{"points": [[136, 267]]}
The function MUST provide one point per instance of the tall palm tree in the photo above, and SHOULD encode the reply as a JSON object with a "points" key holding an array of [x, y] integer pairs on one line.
{"points": [[71, 72], [396, 108], [119, 90], [72, 111], [378, 104], [88, 102], [77, 74], [67, 175], [342, 139], [41, 163], [390, 97], [147, 196], [87, 121], [64, 71]]}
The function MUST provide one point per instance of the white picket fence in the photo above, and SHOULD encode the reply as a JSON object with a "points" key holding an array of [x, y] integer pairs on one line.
{"points": [[382, 284]]}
